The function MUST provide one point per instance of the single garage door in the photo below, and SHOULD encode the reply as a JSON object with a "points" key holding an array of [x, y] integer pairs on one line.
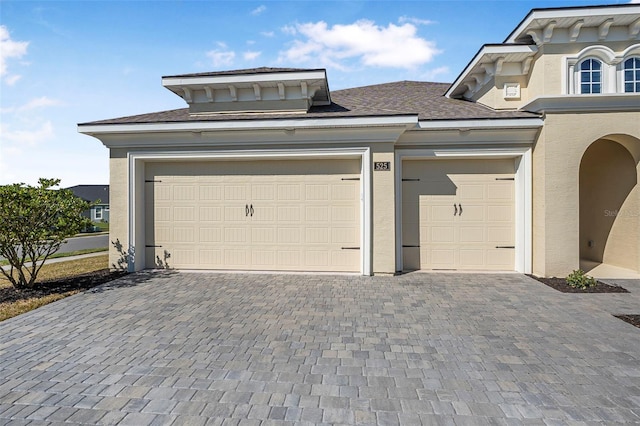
{"points": [[458, 214], [254, 215]]}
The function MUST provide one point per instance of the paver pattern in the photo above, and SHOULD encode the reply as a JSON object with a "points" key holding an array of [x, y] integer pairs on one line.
{"points": [[249, 349]]}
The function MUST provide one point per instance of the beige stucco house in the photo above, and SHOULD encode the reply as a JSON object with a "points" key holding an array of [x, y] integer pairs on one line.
{"points": [[528, 162]]}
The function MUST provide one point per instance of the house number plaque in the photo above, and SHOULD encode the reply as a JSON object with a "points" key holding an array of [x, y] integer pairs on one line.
{"points": [[381, 166]]}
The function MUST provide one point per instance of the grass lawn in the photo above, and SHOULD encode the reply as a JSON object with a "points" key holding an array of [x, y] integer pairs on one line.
{"points": [[55, 281]]}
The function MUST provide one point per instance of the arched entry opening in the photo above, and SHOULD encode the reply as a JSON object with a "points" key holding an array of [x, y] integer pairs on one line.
{"points": [[610, 203]]}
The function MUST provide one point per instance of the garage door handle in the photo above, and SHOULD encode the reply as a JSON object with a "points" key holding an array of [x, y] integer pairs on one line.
{"points": [[455, 209], [246, 210], [251, 210], [460, 207]]}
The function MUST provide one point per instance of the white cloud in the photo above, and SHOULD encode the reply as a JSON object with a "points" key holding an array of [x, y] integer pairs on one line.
{"points": [[10, 49], [289, 29], [221, 58], [41, 102], [258, 10], [30, 137], [433, 74], [416, 21], [250, 56], [267, 33], [372, 45], [12, 79]]}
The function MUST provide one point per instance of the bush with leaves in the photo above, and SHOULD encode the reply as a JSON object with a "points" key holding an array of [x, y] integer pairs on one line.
{"points": [[579, 279], [34, 222]]}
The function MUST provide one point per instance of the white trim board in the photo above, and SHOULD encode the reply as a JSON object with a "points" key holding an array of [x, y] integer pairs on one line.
{"points": [[523, 184], [136, 231]]}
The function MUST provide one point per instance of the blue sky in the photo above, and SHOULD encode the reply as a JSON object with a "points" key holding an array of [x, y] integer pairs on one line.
{"points": [[63, 63]]}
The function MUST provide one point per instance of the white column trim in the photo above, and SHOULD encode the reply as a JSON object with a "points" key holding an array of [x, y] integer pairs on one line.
{"points": [[136, 172]]}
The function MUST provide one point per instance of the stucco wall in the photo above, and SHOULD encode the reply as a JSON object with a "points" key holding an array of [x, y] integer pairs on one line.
{"points": [[557, 156], [384, 201], [548, 75], [118, 225]]}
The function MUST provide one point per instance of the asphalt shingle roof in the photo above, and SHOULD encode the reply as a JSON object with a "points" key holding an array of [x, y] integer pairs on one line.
{"points": [[424, 99], [92, 193]]}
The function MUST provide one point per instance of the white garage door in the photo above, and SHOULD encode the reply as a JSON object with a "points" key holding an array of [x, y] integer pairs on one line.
{"points": [[254, 215], [458, 214]]}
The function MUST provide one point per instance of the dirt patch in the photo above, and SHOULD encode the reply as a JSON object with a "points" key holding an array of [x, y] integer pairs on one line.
{"points": [[560, 284], [59, 286], [631, 319]]}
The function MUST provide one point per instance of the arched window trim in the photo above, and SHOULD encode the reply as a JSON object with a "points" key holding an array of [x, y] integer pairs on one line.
{"points": [[635, 79], [592, 85], [612, 68]]}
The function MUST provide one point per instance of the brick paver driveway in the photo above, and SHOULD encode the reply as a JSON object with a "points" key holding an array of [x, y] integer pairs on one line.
{"points": [[190, 348]]}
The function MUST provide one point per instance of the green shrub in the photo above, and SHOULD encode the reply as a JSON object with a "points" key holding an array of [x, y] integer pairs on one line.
{"points": [[579, 279]]}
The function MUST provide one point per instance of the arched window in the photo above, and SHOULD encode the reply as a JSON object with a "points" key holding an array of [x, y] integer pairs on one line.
{"points": [[591, 76], [632, 75]]}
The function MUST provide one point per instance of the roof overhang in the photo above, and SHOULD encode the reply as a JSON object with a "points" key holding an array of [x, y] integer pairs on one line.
{"points": [[505, 123], [490, 61], [541, 24], [407, 121], [615, 102], [276, 91]]}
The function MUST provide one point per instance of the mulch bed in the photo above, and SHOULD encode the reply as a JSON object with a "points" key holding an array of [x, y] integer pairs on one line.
{"points": [[560, 284], [631, 319], [79, 282]]}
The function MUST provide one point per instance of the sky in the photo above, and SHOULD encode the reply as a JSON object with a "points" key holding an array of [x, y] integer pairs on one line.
{"points": [[69, 62]]}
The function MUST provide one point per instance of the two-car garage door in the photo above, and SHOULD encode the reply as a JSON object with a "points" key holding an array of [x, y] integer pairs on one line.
{"points": [[254, 215]]}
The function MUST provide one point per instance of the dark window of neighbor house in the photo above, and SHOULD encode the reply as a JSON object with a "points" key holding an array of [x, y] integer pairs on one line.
{"points": [[590, 76], [632, 75], [98, 213]]}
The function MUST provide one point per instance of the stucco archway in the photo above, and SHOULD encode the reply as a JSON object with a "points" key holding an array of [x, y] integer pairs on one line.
{"points": [[610, 202]]}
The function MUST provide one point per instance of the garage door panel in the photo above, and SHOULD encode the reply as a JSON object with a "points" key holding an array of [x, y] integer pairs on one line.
{"points": [[289, 192], [471, 192], [345, 258], [289, 214], [235, 193], [210, 235], [463, 212], [316, 192], [263, 235], [441, 234], [210, 214], [263, 192], [471, 213], [211, 192], [235, 213], [235, 235], [182, 214], [499, 235], [470, 234], [289, 260], [344, 213], [438, 213], [303, 214], [345, 236], [500, 213], [499, 191], [210, 257], [316, 236], [184, 235]]}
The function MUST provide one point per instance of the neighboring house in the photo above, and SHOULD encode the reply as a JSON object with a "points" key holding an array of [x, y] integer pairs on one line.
{"points": [[528, 162], [98, 194]]}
